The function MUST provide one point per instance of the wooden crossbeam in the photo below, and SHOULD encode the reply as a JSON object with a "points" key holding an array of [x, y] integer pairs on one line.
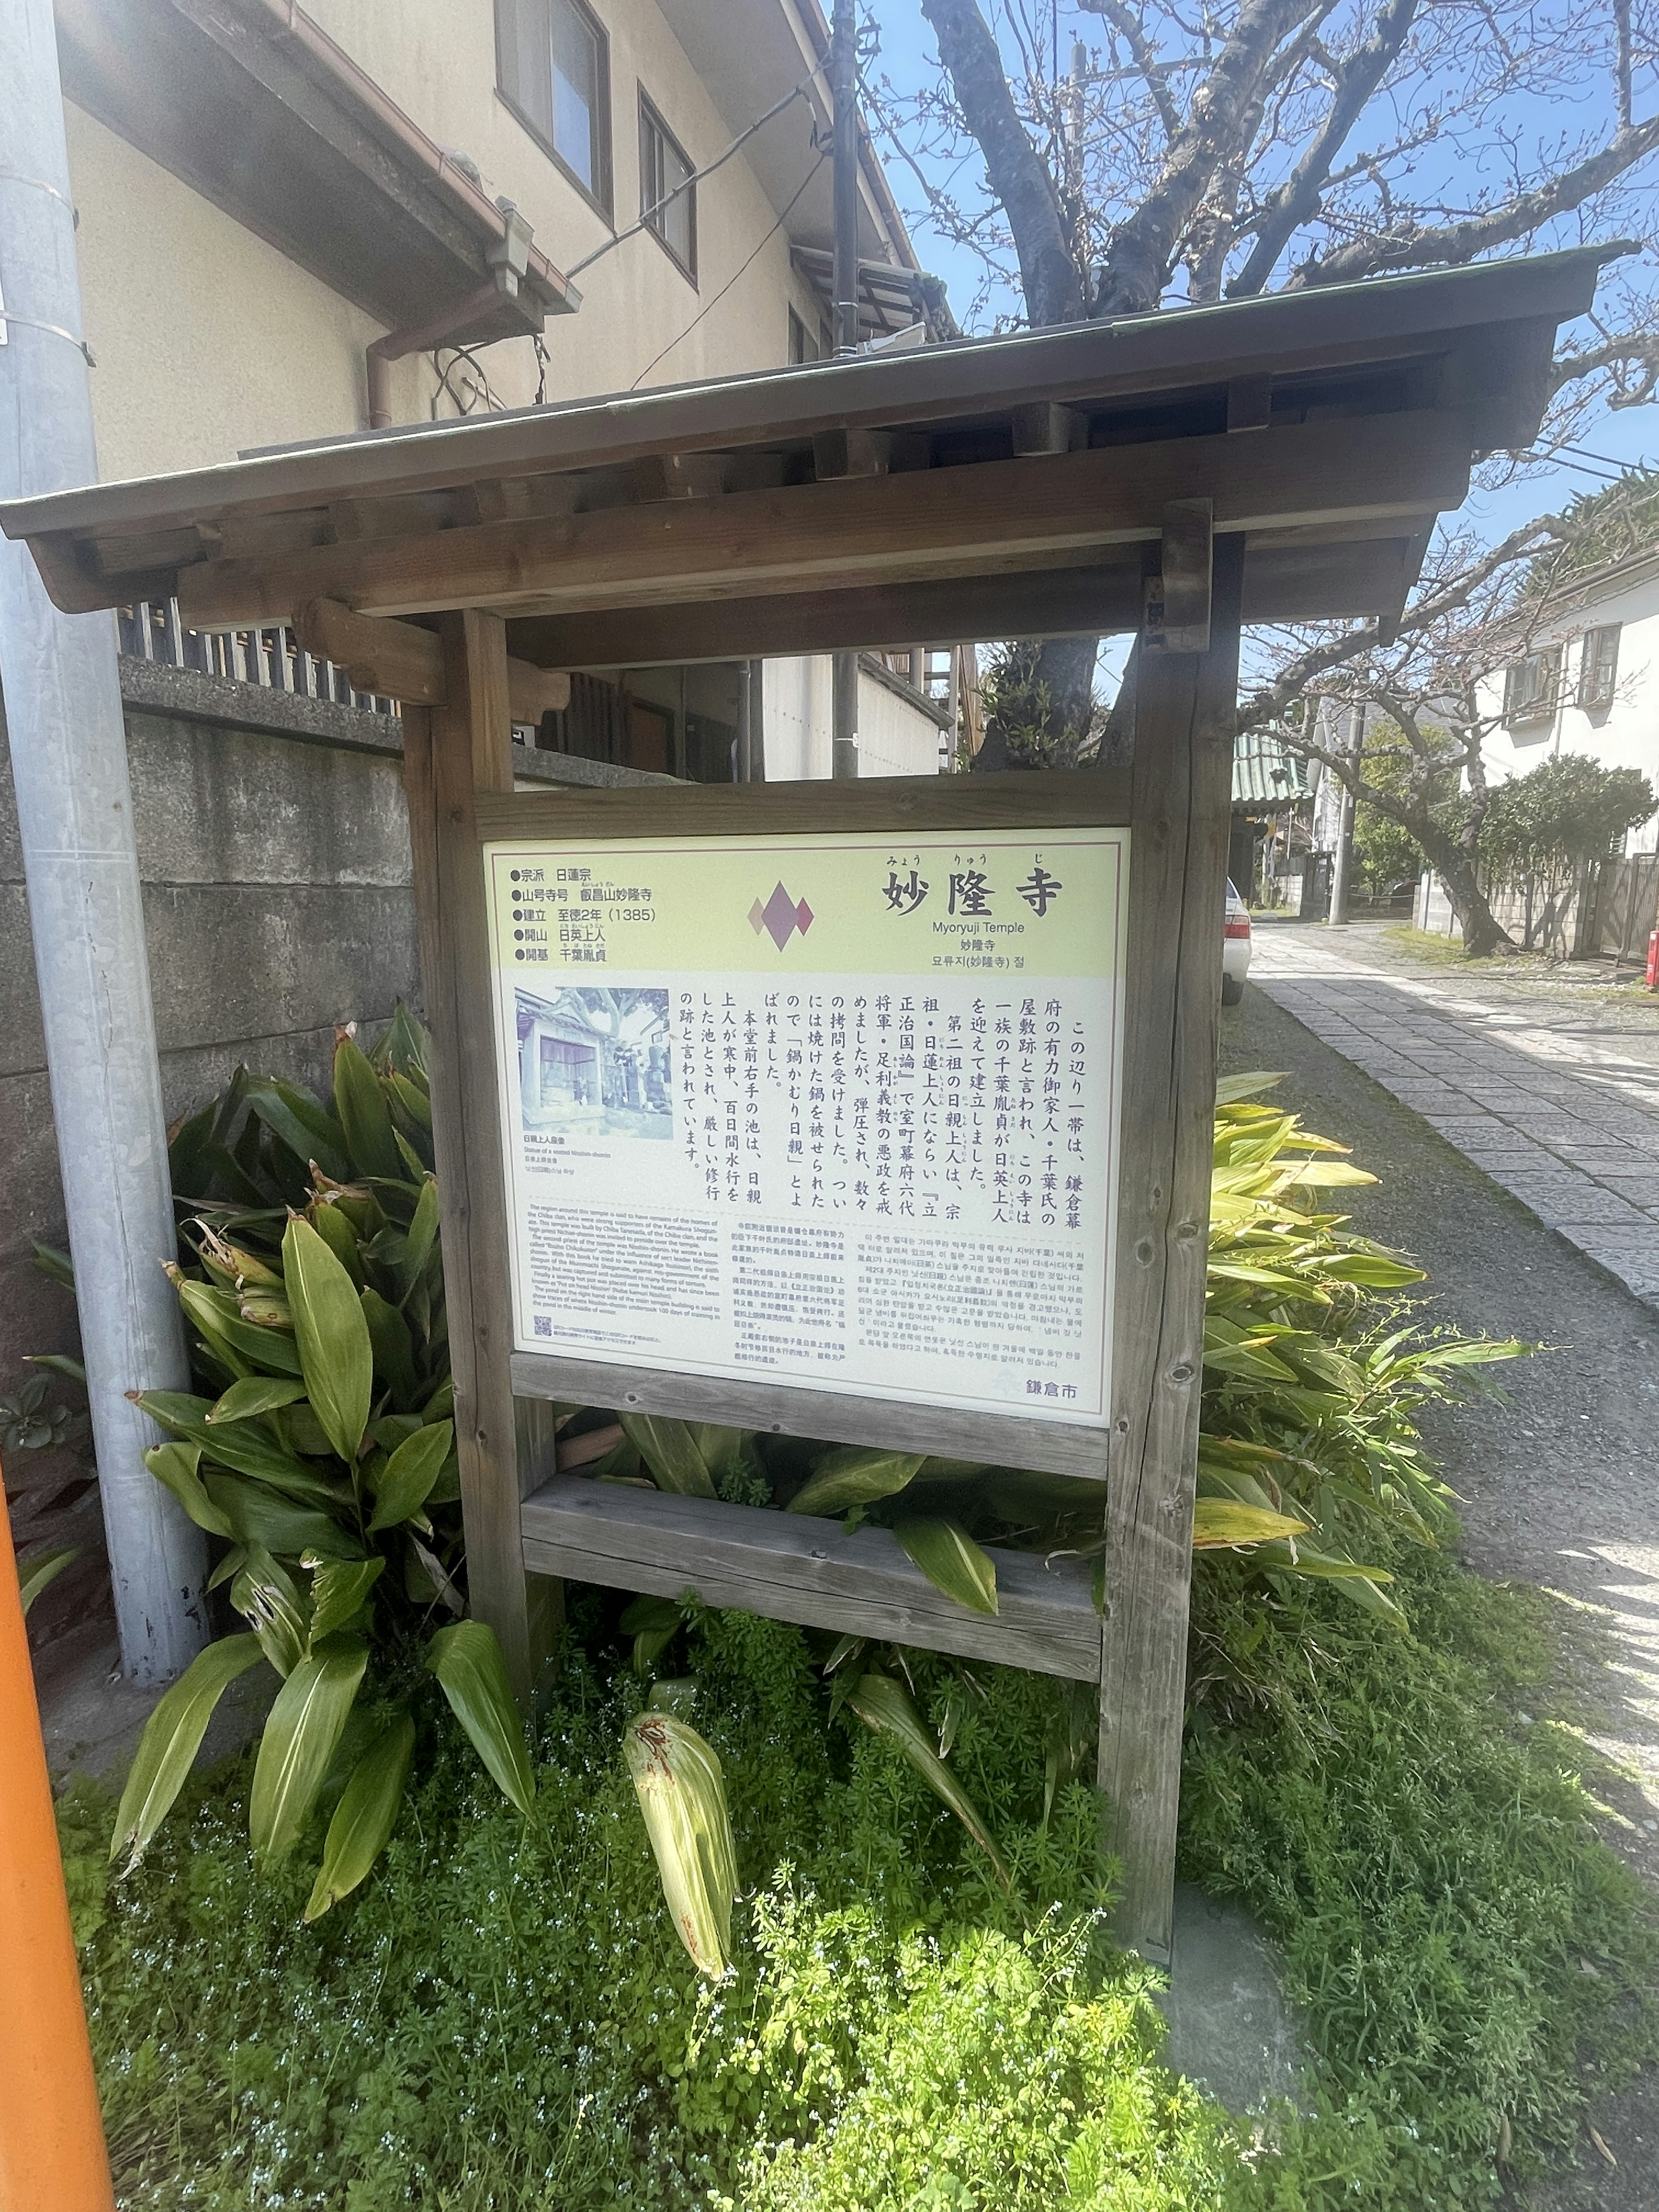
{"points": [[399, 660], [967, 520], [791, 1566]]}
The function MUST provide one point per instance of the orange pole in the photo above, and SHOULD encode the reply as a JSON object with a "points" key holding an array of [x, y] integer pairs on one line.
{"points": [[52, 2157]]}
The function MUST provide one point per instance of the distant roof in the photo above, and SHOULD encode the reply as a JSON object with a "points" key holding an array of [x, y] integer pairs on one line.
{"points": [[1265, 773]]}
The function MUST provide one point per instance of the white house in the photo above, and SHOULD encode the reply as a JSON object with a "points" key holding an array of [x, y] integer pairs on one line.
{"points": [[1589, 684]]}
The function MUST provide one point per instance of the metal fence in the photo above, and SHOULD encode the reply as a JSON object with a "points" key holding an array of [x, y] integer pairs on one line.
{"points": [[272, 659]]}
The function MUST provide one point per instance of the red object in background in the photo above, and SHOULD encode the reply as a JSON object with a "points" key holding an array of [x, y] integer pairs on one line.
{"points": [[52, 2140], [1653, 961]]}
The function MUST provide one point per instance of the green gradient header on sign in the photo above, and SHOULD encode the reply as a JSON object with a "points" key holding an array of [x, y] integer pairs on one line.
{"points": [[842, 905]]}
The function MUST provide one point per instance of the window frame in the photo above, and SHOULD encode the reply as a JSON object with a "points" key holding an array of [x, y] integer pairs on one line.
{"points": [[651, 119], [1540, 705], [600, 197], [796, 334], [1598, 700]]}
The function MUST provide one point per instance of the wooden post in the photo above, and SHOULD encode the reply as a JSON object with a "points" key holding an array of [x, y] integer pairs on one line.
{"points": [[1182, 780], [451, 754]]}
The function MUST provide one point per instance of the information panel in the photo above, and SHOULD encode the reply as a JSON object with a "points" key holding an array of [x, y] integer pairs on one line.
{"points": [[831, 1111]]}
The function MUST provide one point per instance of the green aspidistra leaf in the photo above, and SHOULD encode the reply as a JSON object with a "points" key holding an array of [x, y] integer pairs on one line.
{"points": [[669, 1450], [178, 1466], [468, 1663], [255, 1395], [310, 1710], [333, 1335], [365, 1815], [885, 1705], [682, 1794], [854, 1476], [36, 1570], [338, 1589], [269, 1601], [172, 1737], [406, 1479], [951, 1561], [364, 1115]]}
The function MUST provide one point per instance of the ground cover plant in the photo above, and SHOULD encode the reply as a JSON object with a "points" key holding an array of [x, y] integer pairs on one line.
{"points": [[501, 2018]]}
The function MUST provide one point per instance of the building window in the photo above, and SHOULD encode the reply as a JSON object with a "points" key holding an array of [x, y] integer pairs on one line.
{"points": [[1598, 666], [668, 197], [553, 65], [1530, 686]]}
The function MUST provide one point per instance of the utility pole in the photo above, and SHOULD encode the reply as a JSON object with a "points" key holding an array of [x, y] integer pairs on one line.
{"points": [[69, 759], [844, 284], [1342, 865]]}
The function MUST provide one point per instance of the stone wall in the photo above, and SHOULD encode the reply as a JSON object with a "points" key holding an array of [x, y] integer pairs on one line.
{"points": [[274, 850]]}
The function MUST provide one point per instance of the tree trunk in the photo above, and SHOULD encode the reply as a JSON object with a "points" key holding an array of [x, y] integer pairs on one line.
{"points": [[1042, 715], [1483, 934]]}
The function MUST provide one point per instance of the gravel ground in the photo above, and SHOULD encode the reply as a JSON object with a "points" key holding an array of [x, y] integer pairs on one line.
{"points": [[1559, 1486]]}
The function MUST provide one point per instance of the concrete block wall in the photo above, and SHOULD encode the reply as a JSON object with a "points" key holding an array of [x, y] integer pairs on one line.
{"points": [[276, 869]]}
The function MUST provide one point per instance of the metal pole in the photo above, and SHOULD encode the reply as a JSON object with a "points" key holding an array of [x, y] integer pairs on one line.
{"points": [[1341, 866], [843, 85], [75, 817]]}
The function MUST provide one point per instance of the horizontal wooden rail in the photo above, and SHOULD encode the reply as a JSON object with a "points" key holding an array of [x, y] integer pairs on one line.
{"points": [[405, 662], [790, 1566]]}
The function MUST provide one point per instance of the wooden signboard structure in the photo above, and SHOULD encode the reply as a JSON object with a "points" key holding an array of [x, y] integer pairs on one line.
{"points": [[1177, 474]]}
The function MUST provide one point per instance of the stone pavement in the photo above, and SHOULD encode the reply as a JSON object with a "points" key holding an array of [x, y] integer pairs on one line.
{"points": [[1555, 1095]]}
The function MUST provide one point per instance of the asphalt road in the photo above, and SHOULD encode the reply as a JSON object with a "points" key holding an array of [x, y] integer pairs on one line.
{"points": [[1560, 1486]]}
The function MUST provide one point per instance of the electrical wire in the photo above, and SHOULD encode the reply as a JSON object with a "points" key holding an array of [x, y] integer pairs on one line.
{"points": [[797, 92], [733, 279]]}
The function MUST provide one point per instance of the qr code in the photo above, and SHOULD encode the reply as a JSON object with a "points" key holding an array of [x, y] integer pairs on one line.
{"points": [[543, 1325]]}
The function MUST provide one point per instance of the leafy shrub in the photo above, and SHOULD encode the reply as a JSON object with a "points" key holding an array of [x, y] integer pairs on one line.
{"points": [[324, 1458]]}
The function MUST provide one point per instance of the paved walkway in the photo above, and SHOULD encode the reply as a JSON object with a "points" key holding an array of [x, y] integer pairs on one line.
{"points": [[1553, 1095]]}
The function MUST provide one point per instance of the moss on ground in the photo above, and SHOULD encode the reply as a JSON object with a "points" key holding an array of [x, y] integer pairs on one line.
{"points": [[503, 2021]]}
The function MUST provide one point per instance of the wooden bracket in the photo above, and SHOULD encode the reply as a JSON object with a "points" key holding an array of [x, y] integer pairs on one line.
{"points": [[1250, 403], [399, 660], [1177, 609], [1044, 427]]}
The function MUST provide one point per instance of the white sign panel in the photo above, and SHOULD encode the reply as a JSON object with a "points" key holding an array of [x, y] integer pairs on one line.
{"points": [[836, 1111]]}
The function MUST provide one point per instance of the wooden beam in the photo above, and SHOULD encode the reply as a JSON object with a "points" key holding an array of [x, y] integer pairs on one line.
{"points": [[1178, 595], [1184, 710], [790, 1566], [1250, 403], [1044, 427], [451, 755], [972, 519], [834, 1416], [736, 810], [399, 660]]}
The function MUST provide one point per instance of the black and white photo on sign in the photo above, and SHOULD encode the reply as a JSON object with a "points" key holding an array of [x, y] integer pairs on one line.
{"points": [[594, 1061]]}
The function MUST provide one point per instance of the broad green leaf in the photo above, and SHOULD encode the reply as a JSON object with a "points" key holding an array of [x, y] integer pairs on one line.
{"points": [[269, 1601], [36, 1569], [257, 1516], [237, 1445], [1325, 1173], [1220, 1522], [468, 1663], [885, 1705], [230, 1567], [302, 1126], [333, 1336], [677, 1778], [951, 1561], [1371, 1269], [423, 1233], [341, 1238], [854, 1476], [338, 1590], [720, 1449], [299, 1740], [60, 1362], [219, 1316], [53, 1263], [413, 1100], [172, 1737], [407, 1478], [178, 1466], [256, 1394], [365, 1815], [364, 1115], [669, 1450], [653, 1623], [388, 1337]]}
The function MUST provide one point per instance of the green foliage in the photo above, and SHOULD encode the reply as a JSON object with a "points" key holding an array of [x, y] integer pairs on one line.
{"points": [[1609, 525], [28, 1423], [1564, 814], [496, 2024], [323, 1458]]}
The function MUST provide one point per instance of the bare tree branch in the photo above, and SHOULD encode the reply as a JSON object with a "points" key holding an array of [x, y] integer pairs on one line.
{"points": [[1142, 52], [1018, 176], [1285, 211], [1416, 246], [1144, 246]]}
